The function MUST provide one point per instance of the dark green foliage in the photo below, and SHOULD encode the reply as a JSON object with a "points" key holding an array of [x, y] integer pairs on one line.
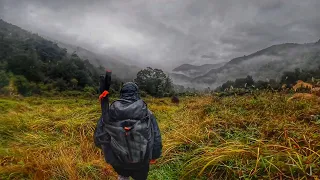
{"points": [[238, 83], [290, 78], [154, 82], [228, 84], [74, 82], [22, 85], [90, 90], [244, 82], [4, 79], [274, 85], [261, 84], [61, 84], [27, 66], [40, 65], [182, 91]]}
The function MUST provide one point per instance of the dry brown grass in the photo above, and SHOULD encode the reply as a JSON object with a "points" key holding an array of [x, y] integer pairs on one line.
{"points": [[303, 96], [243, 137], [301, 84], [316, 91], [50, 139]]}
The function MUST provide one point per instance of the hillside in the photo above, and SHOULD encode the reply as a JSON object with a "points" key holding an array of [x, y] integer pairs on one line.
{"points": [[43, 63], [268, 63], [193, 71], [36, 65], [120, 69], [179, 78], [43, 52], [261, 136]]}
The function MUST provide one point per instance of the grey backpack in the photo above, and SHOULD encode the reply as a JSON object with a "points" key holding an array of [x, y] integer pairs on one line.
{"points": [[130, 131]]}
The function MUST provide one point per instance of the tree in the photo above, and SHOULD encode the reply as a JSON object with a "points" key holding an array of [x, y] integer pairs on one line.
{"points": [[274, 85], [169, 86], [261, 84], [290, 78], [74, 83], [227, 85], [154, 81], [244, 82], [4, 79], [84, 78], [61, 84], [27, 66], [22, 85]]}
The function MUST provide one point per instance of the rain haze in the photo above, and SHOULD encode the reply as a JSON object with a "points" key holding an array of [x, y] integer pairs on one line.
{"points": [[168, 33]]}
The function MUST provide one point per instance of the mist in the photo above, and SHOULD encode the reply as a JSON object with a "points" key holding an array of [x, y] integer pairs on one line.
{"points": [[167, 33], [266, 65]]}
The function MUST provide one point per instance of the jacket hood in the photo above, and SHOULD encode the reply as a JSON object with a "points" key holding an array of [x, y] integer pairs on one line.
{"points": [[130, 91]]}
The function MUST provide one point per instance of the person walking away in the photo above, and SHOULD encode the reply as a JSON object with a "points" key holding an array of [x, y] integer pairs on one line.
{"points": [[134, 139]]}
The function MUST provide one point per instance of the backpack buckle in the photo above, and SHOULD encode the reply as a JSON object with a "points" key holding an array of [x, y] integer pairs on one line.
{"points": [[127, 129]]}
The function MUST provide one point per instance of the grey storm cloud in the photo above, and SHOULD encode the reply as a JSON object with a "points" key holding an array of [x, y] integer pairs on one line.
{"points": [[167, 33]]}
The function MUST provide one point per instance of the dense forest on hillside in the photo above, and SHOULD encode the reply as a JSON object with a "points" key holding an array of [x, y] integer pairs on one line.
{"points": [[32, 64]]}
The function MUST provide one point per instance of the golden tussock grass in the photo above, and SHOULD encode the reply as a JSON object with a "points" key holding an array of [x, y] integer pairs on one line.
{"points": [[245, 137]]}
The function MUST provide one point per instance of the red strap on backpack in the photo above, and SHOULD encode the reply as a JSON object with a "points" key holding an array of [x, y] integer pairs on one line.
{"points": [[103, 95]]}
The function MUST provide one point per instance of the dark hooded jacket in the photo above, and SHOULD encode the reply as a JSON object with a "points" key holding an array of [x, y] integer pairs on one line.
{"points": [[129, 95]]}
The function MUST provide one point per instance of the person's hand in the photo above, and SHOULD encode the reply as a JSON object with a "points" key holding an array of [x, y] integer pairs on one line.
{"points": [[153, 161]]}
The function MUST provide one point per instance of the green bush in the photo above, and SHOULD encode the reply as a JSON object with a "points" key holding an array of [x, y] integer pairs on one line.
{"points": [[4, 79], [5, 91], [23, 86], [61, 84], [90, 90], [34, 88]]}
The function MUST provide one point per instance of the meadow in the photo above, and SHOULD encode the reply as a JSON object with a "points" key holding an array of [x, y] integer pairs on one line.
{"points": [[262, 136]]}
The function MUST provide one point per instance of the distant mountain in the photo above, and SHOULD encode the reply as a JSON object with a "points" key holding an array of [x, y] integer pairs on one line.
{"points": [[265, 64], [184, 67], [194, 71], [123, 71], [180, 77]]}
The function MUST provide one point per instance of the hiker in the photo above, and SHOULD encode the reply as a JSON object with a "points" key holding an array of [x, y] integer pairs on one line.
{"points": [[134, 140]]}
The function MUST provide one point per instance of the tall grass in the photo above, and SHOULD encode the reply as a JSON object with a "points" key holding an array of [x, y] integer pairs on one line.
{"points": [[50, 139], [249, 137]]}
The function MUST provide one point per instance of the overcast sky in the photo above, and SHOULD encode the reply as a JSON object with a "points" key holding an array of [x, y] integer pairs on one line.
{"points": [[167, 33]]}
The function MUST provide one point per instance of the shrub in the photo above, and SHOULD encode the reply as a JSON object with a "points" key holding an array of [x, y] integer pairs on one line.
{"points": [[4, 79], [23, 86]]}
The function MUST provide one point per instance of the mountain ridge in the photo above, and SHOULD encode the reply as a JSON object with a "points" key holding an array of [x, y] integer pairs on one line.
{"points": [[121, 70], [267, 63]]}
